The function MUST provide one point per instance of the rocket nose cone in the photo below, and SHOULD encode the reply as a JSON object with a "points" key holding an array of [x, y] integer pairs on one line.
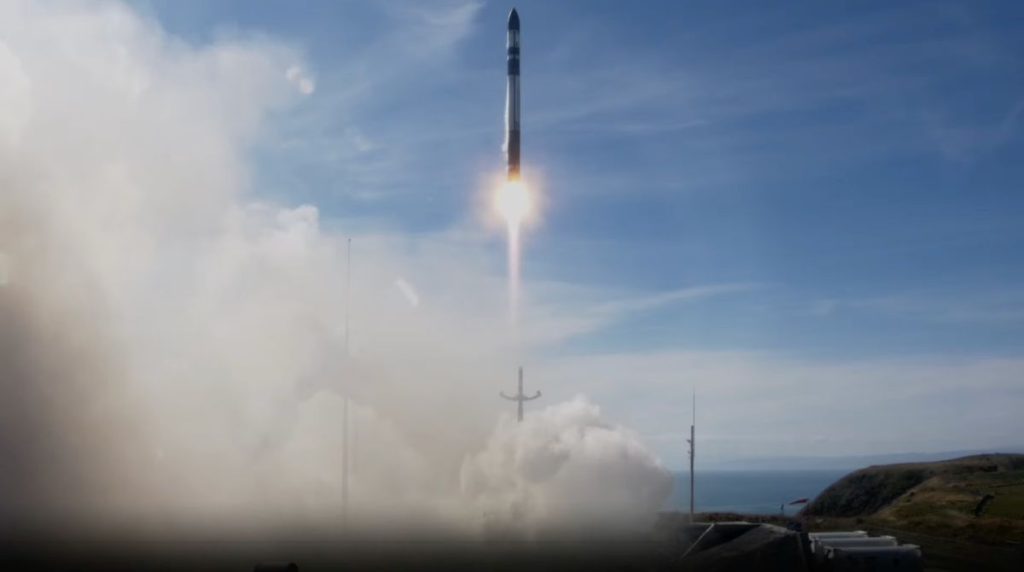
{"points": [[513, 20]]}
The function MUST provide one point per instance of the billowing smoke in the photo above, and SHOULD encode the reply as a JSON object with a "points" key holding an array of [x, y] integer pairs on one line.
{"points": [[172, 348], [562, 465]]}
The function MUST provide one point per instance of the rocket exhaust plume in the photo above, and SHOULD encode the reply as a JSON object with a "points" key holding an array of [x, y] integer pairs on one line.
{"points": [[513, 270]]}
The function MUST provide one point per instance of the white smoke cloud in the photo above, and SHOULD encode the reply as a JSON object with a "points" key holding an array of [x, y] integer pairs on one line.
{"points": [[408, 292], [565, 465], [4, 270], [302, 82], [172, 347]]}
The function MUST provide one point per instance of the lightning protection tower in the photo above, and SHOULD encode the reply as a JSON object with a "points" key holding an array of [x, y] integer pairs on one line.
{"points": [[520, 397]]}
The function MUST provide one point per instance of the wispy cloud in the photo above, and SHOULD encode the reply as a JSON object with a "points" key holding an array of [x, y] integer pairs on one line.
{"points": [[794, 103], [981, 307], [963, 140], [651, 302], [423, 31], [562, 312]]}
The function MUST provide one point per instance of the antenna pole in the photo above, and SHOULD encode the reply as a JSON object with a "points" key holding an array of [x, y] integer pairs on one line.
{"points": [[348, 289], [344, 410], [693, 449]]}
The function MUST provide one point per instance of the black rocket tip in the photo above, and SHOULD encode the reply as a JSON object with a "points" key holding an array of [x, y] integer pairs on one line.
{"points": [[513, 20]]}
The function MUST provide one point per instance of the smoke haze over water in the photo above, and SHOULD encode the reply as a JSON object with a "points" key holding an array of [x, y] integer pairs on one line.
{"points": [[171, 347]]}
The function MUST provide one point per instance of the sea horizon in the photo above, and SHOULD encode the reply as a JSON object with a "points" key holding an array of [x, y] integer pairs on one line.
{"points": [[750, 491]]}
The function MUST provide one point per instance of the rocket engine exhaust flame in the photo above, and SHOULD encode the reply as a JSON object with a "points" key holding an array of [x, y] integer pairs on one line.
{"points": [[514, 204]]}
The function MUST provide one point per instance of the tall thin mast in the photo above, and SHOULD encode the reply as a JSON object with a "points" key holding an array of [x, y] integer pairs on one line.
{"points": [[693, 450], [348, 383]]}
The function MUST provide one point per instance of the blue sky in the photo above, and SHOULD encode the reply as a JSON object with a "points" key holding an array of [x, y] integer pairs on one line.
{"points": [[841, 181]]}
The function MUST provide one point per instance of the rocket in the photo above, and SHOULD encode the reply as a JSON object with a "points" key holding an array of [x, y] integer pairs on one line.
{"points": [[512, 106]]}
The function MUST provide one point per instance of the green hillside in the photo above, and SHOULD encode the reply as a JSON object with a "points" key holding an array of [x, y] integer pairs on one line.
{"points": [[979, 498]]}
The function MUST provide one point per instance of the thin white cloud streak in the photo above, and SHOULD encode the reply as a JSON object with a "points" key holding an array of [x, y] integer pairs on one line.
{"points": [[431, 30], [559, 312], [975, 307], [655, 301]]}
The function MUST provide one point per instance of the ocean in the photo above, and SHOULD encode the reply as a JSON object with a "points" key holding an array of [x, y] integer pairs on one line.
{"points": [[749, 492]]}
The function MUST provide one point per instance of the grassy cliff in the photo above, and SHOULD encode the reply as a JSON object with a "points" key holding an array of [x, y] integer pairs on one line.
{"points": [[977, 498]]}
